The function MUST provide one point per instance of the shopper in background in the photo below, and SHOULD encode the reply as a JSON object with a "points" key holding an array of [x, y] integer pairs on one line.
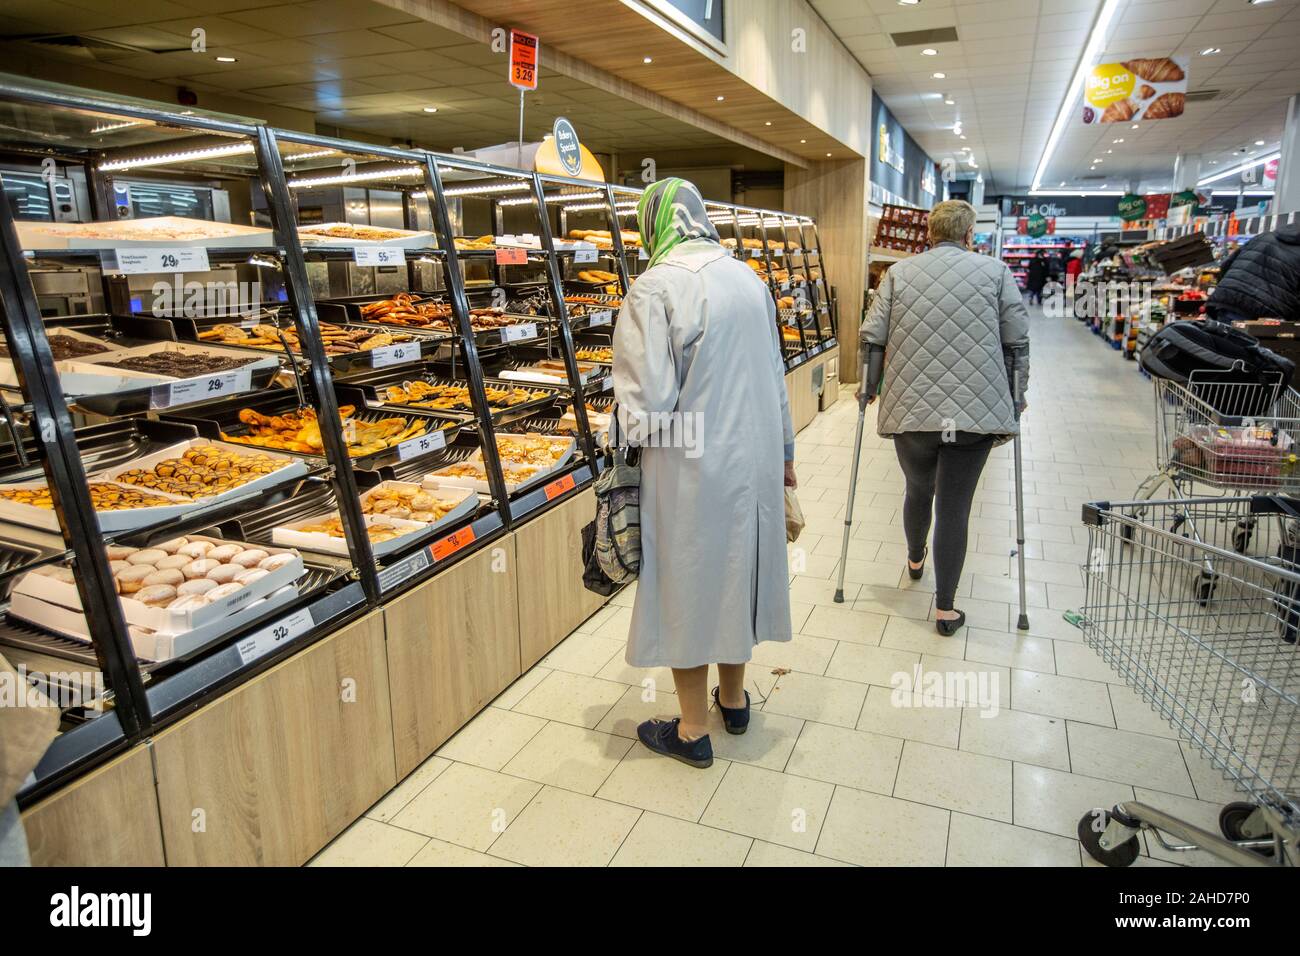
{"points": [[1261, 280], [943, 331], [700, 386], [1036, 277]]}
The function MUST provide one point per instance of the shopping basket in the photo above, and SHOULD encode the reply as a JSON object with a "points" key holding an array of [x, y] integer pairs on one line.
{"points": [[1220, 664], [1217, 433]]}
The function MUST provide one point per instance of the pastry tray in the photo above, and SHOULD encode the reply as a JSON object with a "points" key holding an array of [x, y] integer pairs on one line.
{"points": [[409, 240], [125, 392], [214, 418], [161, 619], [291, 535], [129, 519], [372, 388], [329, 310], [132, 234]]}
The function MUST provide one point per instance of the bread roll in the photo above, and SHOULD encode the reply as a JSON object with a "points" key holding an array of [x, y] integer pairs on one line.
{"points": [[276, 561], [132, 579], [118, 552], [170, 576], [189, 602], [200, 567], [147, 556], [196, 586], [251, 575], [250, 558], [156, 595], [224, 552], [224, 573], [172, 546], [196, 549], [176, 561], [224, 591]]}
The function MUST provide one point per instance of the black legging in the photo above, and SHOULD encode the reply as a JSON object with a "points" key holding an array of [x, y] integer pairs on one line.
{"points": [[942, 474]]}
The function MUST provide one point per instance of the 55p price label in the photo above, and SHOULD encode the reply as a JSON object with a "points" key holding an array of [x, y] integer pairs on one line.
{"points": [[378, 256], [276, 635]]}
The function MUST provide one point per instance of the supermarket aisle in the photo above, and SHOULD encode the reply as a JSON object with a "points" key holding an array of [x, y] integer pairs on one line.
{"points": [[831, 772]]}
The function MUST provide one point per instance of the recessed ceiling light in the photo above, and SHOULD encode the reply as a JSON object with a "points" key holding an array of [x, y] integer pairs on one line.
{"points": [[227, 59], [1134, 126], [828, 154], [721, 98], [1259, 142], [963, 137], [1109, 151], [1062, 184], [647, 59], [768, 123], [909, 3], [940, 76], [929, 51], [1211, 51], [949, 101], [1120, 140], [803, 140], [431, 109], [1214, 162]]}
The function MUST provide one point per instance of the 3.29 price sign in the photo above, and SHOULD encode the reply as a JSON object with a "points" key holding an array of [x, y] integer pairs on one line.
{"points": [[523, 60]]}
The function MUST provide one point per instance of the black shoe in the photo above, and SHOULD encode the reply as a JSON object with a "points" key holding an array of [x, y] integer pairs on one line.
{"points": [[949, 628], [661, 737], [915, 573], [734, 719]]}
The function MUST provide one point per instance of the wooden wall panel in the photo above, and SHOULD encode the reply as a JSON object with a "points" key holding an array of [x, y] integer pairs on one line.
{"points": [[107, 818], [280, 765], [552, 600], [453, 645]]}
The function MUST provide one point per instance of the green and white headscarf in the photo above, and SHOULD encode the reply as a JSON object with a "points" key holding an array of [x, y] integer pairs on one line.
{"points": [[670, 212]]}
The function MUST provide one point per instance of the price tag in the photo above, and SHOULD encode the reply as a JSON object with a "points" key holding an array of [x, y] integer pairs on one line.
{"points": [[395, 354], [269, 638], [442, 550], [585, 255], [609, 384], [512, 257], [378, 256], [559, 487], [642, 254], [197, 389], [421, 445], [778, 253], [520, 332], [395, 574], [600, 317], [161, 259]]}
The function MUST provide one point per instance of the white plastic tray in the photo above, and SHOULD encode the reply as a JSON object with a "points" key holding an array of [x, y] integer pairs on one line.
{"points": [[9, 375], [137, 233], [289, 535], [409, 239]]}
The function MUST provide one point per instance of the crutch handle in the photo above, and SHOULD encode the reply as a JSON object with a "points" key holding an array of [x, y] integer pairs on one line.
{"points": [[863, 398]]}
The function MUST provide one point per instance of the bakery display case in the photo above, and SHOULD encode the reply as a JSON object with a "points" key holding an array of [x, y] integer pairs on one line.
{"points": [[313, 422]]}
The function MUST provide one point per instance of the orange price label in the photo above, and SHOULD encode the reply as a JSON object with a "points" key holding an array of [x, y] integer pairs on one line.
{"points": [[559, 487], [441, 550], [523, 60], [512, 257]]}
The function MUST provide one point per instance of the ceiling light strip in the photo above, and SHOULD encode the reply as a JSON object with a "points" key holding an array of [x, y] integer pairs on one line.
{"points": [[342, 179], [1240, 169], [1096, 41]]}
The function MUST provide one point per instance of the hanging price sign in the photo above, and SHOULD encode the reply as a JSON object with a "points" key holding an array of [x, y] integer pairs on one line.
{"points": [[269, 638], [152, 259], [523, 60], [421, 445], [585, 255], [442, 550], [642, 254], [198, 389], [600, 317], [518, 333], [378, 256], [395, 354], [512, 257], [559, 487], [395, 574]]}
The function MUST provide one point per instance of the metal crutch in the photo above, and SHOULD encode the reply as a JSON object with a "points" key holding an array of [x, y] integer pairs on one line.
{"points": [[853, 480], [1023, 623]]}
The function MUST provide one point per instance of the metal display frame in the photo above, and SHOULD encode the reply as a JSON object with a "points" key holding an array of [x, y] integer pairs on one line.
{"points": [[141, 705]]}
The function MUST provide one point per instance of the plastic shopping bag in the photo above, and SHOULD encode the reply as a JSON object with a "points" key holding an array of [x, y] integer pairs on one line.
{"points": [[793, 516]]}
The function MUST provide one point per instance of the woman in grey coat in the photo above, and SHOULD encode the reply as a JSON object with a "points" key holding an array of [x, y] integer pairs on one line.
{"points": [[943, 332]]}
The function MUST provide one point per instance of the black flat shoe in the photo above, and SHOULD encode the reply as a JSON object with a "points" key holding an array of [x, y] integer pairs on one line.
{"points": [[949, 628], [734, 719], [661, 737], [915, 573]]}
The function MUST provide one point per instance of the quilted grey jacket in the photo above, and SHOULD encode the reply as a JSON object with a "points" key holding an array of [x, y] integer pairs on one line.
{"points": [[945, 319]]}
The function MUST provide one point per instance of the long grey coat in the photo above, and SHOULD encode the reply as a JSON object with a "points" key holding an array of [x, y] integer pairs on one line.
{"points": [[944, 318], [697, 336]]}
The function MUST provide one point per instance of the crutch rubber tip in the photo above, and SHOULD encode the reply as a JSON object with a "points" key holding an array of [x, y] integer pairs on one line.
{"points": [[839, 596], [1023, 623]]}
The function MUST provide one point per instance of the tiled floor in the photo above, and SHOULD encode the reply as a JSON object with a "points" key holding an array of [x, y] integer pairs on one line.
{"points": [[832, 771]]}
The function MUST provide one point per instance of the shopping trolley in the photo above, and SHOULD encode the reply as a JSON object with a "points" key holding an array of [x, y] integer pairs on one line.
{"points": [[1224, 672], [1216, 434]]}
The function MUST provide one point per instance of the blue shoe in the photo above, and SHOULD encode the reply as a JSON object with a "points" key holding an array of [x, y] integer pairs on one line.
{"points": [[735, 719], [661, 737]]}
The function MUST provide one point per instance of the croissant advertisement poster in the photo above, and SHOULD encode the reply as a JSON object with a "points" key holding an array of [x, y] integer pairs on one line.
{"points": [[1135, 91]]}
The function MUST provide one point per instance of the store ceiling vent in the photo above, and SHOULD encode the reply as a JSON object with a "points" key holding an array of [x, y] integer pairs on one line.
{"points": [[86, 46], [925, 37], [1200, 96]]}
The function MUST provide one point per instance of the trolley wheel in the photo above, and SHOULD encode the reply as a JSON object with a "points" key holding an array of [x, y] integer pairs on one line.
{"points": [[1090, 836], [1205, 588], [1232, 824], [1241, 537]]}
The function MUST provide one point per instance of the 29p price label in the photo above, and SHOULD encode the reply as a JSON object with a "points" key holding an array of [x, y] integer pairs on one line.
{"points": [[161, 259], [200, 389]]}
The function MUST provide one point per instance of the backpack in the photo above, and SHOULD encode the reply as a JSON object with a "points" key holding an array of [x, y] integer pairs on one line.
{"points": [[611, 544], [1186, 346]]}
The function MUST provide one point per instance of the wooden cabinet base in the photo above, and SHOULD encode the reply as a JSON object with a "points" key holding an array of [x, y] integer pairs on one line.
{"points": [[107, 818], [552, 600], [274, 770], [453, 645]]}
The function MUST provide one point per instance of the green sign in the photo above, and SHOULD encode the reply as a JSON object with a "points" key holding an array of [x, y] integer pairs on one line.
{"points": [[1132, 207], [1036, 225]]}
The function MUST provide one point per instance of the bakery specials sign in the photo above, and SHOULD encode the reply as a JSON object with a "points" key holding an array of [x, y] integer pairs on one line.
{"points": [[1154, 88]]}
